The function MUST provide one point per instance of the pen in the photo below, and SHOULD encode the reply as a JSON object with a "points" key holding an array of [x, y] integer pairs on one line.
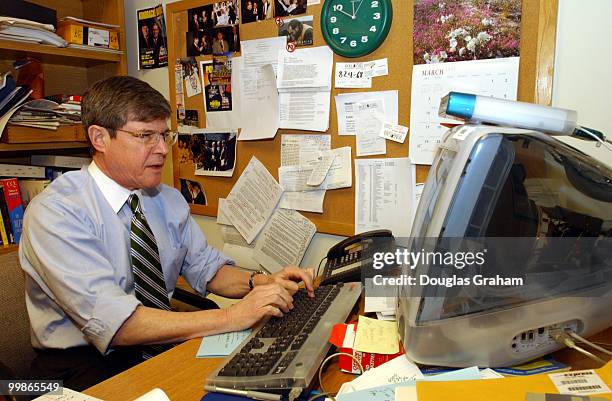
{"points": [[256, 395]]}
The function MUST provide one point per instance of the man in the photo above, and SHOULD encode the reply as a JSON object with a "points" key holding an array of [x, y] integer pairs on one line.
{"points": [[102, 249], [220, 45], [157, 42], [234, 39], [266, 9], [144, 38], [299, 33]]}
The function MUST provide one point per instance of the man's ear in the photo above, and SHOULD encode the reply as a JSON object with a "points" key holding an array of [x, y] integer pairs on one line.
{"points": [[99, 137]]}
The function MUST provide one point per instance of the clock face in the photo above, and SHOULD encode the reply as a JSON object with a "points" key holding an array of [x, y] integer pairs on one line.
{"points": [[354, 28]]}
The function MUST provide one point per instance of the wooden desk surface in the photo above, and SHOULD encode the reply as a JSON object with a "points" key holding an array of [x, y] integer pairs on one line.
{"points": [[178, 372], [182, 376]]}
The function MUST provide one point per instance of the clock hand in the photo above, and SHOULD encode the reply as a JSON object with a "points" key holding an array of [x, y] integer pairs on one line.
{"points": [[347, 14], [353, 4], [358, 7]]}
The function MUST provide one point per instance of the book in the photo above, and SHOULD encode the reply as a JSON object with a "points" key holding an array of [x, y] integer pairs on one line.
{"points": [[546, 364], [17, 170], [29, 188], [5, 231], [60, 161], [14, 205]]}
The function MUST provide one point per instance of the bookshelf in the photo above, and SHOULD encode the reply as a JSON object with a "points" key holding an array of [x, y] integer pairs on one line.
{"points": [[66, 71]]}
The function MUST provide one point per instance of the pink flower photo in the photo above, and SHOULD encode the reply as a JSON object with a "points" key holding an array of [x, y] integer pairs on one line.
{"points": [[460, 30]]}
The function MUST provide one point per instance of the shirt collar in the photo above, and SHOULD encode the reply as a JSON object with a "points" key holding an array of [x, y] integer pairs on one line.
{"points": [[115, 194]]}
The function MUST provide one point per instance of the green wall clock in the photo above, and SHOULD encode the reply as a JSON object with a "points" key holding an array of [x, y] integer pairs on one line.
{"points": [[354, 28]]}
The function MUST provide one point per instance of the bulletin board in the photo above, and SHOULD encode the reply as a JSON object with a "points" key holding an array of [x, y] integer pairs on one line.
{"points": [[537, 51]]}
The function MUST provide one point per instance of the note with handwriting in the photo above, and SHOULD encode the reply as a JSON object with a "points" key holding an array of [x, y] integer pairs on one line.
{"points": [[221, 345], [376, 336]]}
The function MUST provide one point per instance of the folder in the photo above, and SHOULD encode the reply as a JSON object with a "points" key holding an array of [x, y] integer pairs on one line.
{"points": [[507, 389]]}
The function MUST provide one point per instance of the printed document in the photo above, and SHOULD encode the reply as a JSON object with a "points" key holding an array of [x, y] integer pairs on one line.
{"points": [[305, 69], [260, 52], [346, 108], [295, 178], [383, 195], [253, 199], [297, 149], [284, 240], [306, 111], [260, 118], [304, 85], [307, 201], [430, 82], [369, 123]]}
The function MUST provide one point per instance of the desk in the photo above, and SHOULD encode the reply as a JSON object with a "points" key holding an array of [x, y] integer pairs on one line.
{"points": [[182, 376], [179, 374]]}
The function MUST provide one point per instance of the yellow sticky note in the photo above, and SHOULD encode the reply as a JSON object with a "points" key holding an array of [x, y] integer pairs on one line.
{"points": [[376, 336]]}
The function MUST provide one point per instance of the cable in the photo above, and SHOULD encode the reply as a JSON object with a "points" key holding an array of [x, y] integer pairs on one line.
{"points": [[318, 267], [314, 397], [598, 139], [564, 339], [584, 340], [361, 370]]}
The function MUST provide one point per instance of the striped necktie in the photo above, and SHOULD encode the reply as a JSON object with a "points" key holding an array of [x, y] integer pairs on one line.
{"points": [[146, 267]]}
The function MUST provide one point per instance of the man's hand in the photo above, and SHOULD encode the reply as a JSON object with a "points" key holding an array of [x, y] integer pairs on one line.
{"points": [[291, 275], [262, 302]]}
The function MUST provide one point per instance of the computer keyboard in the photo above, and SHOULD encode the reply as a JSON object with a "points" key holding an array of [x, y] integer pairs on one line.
{"points": [[285, 353]]}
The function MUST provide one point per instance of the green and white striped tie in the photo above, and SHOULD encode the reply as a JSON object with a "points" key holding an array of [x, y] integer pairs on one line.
{"points": [[149, 281]]}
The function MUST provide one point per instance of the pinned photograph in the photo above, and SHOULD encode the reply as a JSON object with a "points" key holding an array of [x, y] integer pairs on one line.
{"points": [[204, 18], [225, 13], [216, 97], [191, 76], [192, 192], [257, 10], [298, 30], [198, 43], [283, 8], [214, 153], [188, 121], [462, 30], [225, 40], [152, 44]]}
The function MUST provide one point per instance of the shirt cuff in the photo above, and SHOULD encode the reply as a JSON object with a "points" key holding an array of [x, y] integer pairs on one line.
{"points": [[109, 313]]}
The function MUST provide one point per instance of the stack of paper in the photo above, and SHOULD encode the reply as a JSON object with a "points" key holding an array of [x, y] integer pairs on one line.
{"points": [[23, 30], [273, 237], [384, 307], [309, 167], [46, 114]]}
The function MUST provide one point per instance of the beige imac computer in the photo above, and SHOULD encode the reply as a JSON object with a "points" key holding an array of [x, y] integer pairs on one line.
{"points": [[498, 182]]}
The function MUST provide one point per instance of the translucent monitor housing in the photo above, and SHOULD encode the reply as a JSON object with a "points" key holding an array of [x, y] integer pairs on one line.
{"points": [[510, 183]]}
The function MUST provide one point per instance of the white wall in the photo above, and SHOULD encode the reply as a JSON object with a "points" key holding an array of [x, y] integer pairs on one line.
{"points": [[583, 65]]}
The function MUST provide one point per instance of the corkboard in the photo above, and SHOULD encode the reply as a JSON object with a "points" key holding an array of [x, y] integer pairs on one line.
{"points": [[538, 30]]}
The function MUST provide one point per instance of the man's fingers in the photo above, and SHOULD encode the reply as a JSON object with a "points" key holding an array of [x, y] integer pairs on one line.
{"points": [[270, 310], [290, 286]]}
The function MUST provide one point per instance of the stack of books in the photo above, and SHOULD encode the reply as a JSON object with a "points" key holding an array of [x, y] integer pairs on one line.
{"points": [[22, 183]]}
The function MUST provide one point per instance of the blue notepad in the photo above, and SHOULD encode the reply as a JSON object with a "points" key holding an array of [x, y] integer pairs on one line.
{"points": [[221, 345]]}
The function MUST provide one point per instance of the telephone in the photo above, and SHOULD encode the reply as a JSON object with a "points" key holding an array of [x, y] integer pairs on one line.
{"points": [[345, 259]]}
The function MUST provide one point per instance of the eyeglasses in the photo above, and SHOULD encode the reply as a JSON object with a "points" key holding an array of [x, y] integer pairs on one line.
{"points": [[152, 138]]}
